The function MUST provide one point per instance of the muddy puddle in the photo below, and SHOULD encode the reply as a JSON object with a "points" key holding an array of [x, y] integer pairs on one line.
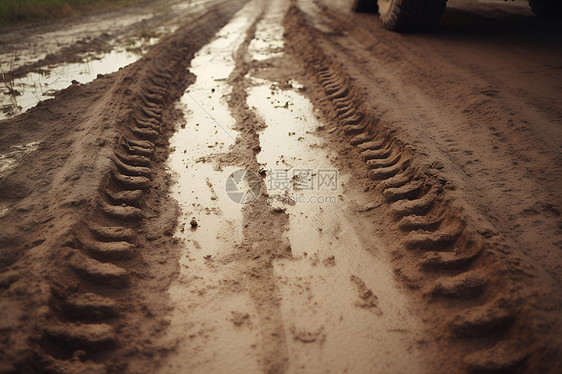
{"points": [[38, 46], [202, 304], [143, 27], [338, 290], [190, 5], [34, 87], [341, 309]]}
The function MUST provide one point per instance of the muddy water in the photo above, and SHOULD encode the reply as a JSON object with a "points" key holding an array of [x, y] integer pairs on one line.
{"points": [[190, 5], [35, 87], [337, 291], [40, 45], [341, 309], [207, 313]]}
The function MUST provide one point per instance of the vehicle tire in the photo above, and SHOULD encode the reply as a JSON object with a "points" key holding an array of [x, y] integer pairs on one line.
{"points": [[365, 6], [546, 8], [411, 15]]}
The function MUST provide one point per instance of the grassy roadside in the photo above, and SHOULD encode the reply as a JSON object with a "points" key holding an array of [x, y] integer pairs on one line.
{"points": [[26, 11]]}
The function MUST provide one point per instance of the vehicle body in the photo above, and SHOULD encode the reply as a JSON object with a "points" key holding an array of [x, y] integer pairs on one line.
{"points": [[415, 15]]}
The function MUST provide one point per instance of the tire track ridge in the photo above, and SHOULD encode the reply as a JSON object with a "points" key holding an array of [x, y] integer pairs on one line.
{"points": [[263, 229]]}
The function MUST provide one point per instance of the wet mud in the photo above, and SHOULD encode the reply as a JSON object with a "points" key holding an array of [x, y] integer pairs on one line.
{"points": [[283, 186]]}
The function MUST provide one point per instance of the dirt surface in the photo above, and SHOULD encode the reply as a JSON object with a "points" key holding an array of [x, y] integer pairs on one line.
{"points": [[35, 47], [284, 186], [38, 60]]}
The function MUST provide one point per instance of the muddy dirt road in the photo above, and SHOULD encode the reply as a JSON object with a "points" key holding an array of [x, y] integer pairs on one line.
{"points": [[282, 186]]}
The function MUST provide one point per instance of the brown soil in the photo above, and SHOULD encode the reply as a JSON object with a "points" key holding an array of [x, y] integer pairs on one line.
{"points": [[452, 144]]}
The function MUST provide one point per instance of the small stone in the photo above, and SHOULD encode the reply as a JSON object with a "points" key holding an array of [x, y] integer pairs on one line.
{"points": [[239, 318], [436, 165]]}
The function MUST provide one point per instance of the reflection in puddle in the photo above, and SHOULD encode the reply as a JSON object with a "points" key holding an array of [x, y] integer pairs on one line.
{"points": [[190, 5], [339, 304], [37, 47], [36, 87], [268, 41], [298, 170]]}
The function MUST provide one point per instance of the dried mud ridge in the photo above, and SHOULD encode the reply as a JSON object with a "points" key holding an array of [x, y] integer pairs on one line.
{"points": [[441, 257], [92, 300]]}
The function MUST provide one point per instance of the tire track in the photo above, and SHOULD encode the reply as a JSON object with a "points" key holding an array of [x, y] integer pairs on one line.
{"points": [[112, 264], [105, 244], [440, 255]]}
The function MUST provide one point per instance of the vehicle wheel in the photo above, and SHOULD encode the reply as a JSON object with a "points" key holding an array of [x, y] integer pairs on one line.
{"points": [[547, 8], [365, 6], [411, 15]]}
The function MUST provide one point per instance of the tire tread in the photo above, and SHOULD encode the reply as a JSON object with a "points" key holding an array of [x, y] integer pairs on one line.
{"points": [[413, 15]]}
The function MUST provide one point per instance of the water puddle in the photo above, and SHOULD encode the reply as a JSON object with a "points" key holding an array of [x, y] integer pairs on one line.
{"points": [[37, 47], [24, 93], [268, 40], [21, 94], [209, 311], [190, 5]]}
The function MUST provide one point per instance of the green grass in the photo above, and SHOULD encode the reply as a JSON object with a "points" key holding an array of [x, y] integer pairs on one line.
{"points": [[25, 11]]}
